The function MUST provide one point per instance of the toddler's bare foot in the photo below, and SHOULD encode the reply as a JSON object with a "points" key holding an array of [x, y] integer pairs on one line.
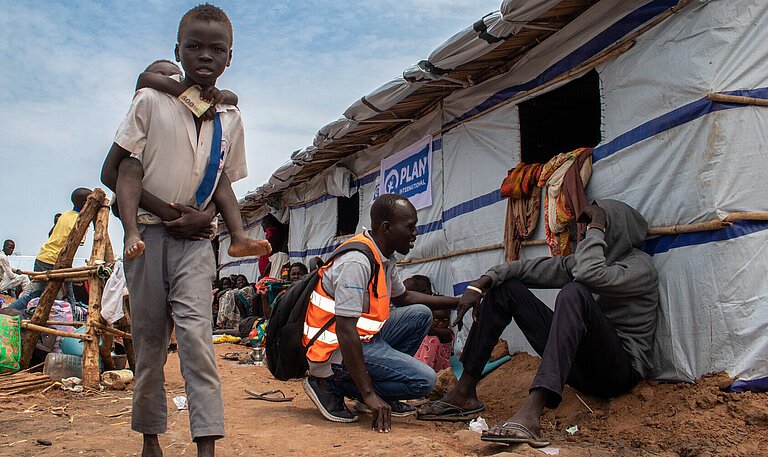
{"points": [[243, 246], [133, 246]]}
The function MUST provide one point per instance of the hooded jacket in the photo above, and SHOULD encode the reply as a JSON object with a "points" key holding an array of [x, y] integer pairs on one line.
{"points": [[621, 276]]}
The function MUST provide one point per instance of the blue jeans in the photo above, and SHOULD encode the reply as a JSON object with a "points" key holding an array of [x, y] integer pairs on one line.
{"points": [[396, 375], [38, 288]]}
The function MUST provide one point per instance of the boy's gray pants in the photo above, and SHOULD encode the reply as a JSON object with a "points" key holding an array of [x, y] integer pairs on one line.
{"points": [[173, 276]]}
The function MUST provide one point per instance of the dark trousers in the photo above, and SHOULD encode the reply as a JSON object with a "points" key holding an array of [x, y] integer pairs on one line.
{"points": [[577, 343]]}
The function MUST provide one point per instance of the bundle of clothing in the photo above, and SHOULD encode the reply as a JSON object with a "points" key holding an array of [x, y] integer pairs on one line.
{"points": [[564, 178]]}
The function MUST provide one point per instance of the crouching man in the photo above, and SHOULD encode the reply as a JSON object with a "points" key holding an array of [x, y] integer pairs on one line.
{"points": [[367, 353], [598, 339]]}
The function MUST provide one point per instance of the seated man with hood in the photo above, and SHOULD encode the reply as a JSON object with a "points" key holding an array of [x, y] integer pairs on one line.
{"points": [[598, 339]]}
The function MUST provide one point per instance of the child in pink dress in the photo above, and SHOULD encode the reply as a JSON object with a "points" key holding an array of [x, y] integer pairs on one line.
{"points": [[435, 349]]}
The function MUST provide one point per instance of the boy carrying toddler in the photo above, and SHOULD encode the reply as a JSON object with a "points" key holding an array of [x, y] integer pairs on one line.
{"points": [[184, 180]]}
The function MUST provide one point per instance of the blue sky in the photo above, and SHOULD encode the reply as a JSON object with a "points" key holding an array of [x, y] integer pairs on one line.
{"points": [[70, 69]]}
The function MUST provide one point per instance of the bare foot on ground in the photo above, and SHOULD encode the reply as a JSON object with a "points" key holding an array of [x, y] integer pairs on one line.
{"points": [[243, 246], [134, 247]]}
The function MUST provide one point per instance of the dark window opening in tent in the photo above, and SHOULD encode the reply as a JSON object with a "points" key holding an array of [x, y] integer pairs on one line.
{"points": [[348, 210], [565, 119]]}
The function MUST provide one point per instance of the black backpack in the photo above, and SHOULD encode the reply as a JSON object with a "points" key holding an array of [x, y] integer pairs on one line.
{"points": [[285, 354]]}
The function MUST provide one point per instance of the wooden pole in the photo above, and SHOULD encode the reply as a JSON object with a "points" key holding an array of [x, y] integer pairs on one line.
{"points": [[29, 339], [53, 331], [91, 373], [746, 216], [107, 339], [125, 324], [113, 331], [54, 274], [725, 98], [70, 279], [60, 270], [69, 323]]}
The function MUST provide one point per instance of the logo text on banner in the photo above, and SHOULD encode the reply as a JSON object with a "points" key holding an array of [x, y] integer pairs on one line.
{"points": [[409, 172]]}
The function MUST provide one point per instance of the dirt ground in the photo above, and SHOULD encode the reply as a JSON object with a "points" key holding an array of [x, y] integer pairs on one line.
{"points": [[652, 420]]}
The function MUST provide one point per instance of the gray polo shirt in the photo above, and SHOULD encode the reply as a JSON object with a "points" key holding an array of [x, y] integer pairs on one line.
{"points": [[346, 281]]}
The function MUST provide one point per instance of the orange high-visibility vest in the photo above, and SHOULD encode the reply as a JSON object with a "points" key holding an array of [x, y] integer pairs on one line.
{"points": [[322, 308]]}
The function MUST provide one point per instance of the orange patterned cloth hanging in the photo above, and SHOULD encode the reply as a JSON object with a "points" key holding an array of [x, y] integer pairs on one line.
{"points": [[521, 187]]}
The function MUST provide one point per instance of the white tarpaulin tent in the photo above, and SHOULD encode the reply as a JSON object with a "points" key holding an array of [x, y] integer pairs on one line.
{"points": [[665, 149]]}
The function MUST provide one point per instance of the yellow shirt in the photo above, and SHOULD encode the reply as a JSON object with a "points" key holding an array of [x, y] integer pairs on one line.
{"points": [[50, 250]]}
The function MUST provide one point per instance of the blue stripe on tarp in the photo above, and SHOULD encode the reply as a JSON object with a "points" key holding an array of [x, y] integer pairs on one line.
{"points": [[664, 243], [585, 52], [367, 179], [429, 227], [245, 227], [240, 262], [314, 251], [672, 119], [322, 199], [472, 205]]}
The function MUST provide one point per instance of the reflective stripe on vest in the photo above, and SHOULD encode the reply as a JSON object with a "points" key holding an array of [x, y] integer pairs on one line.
{"points": [[328, 305], [322, 308], [326, 337]]}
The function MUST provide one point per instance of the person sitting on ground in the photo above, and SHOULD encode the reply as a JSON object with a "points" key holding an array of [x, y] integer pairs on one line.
{"points": [[236, 303], [367, 353], [49, 252], [128, 186], [269, 288], [435, 349], [224, 285], [11, 278], [598, 339]]}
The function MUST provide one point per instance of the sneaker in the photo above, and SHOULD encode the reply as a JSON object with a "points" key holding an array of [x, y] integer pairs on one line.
{"points": [[331, 405], [399, 408]]}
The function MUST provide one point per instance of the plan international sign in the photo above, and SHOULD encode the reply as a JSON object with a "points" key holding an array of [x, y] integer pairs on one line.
{"points": [[409, 172]]}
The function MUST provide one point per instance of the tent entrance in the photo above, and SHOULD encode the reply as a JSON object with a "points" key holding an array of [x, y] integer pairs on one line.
{"points": [[348, 214]]}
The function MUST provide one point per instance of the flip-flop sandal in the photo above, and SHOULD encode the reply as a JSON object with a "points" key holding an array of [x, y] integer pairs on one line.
{"points": [[272, 395], [448, 412], [232, 355], [522, 435]]}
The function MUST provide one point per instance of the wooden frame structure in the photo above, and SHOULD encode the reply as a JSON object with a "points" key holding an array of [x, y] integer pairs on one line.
{"points": [[98, 336]]}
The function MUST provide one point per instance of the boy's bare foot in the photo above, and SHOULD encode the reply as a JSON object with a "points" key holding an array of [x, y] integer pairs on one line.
{"points": [[151, 447], [244, 245], [133, 246]]}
